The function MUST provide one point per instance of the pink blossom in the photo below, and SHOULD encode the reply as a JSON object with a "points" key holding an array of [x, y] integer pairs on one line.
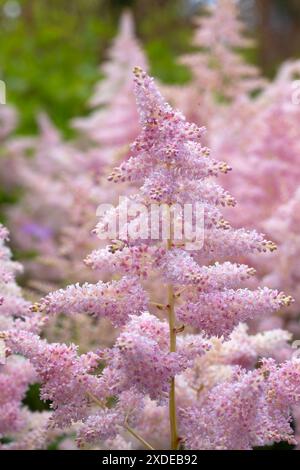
{"points": [[230, 307], [115, 300]]}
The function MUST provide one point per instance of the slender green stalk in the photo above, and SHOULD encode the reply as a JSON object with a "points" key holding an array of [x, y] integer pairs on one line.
{"points": [[126, 425], [138, 437], [172, 397]]}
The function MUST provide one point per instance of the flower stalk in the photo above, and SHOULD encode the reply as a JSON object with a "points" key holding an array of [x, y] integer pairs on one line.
{"points": [[172, 394]]}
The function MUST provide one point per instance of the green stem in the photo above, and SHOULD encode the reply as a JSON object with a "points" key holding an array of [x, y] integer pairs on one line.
{"points": [[138, 437], [172, 397], [126, 425]]}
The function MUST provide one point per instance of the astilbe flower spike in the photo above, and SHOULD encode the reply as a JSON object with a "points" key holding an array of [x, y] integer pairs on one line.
{"points": [[266, 177], [151, 374], [16, 372], [112, 300], [220, 74], [282, 267]]}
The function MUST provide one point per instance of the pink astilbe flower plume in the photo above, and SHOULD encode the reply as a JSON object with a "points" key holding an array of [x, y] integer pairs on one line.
{"points": [[181, 371], [16, 372], [282, 268], [113, 300], [188, 163], [249, 410], [266, 168], [53, 220], [12, 305], [219, 72], [266, 177]]}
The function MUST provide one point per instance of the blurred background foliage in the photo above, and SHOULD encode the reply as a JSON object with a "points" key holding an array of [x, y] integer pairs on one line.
{"points": [[50, 50]]}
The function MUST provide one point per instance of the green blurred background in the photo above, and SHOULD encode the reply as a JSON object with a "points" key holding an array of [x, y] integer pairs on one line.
{"points": [[50, 49]]}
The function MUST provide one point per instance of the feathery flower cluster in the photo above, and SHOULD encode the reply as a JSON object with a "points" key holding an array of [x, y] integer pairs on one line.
{"points": [[12, 303], [219, 72], [48, 204], [249, 410], [282, 267], [164, 128], [16, 372], [161, 352], [148, 384], [112, 300], [266, 178]]}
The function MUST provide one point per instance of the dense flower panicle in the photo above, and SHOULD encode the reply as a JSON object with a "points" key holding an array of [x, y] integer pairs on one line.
{"points": [[142, 259], [247, 411], [230, 307], [219, 73], [16, 372], [232, 407], [143, 360], [15, 377], [169, 149], [12, 303], [119, 395], [115, 300], [266, 176], [142, 356], [179, 267], [64, 375], [119, 258], [67, 381], [106, 424], [282, 268], [232, 243], [164, 128]]}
